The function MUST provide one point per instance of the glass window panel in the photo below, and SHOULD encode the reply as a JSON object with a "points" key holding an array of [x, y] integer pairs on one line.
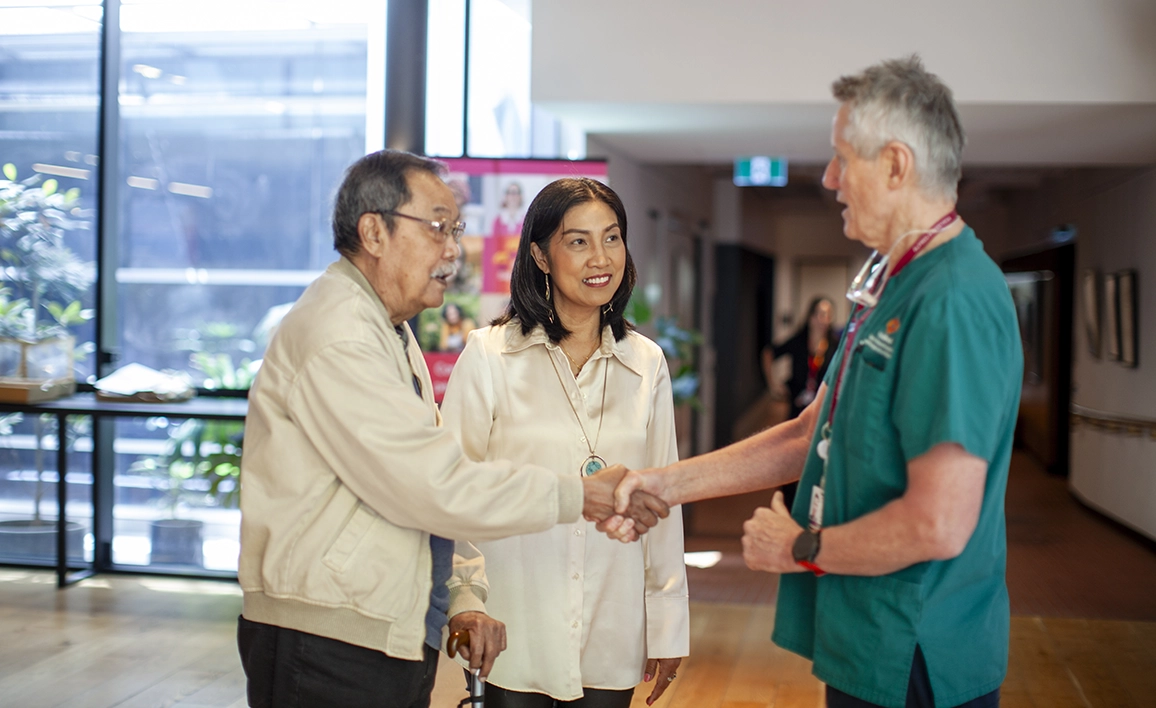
{"points": [[445, 77], [176, 494], [49, 86], [29, 501], [499, 75], [237, 121]]}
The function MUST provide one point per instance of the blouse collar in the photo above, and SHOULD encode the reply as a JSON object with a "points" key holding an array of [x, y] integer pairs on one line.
{"points": [[516, 342]]}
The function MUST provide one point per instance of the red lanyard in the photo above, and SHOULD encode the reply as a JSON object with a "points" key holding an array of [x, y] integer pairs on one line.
{"points": [[854, 323]]}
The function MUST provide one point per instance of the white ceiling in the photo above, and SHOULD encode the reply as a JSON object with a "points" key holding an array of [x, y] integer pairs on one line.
{"points": [[1038, 82], [1002, 135]]}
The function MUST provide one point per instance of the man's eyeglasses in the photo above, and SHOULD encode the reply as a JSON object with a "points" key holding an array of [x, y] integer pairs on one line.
{"points": [[447, 228]]}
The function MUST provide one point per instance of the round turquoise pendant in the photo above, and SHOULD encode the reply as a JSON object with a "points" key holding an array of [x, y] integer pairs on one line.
{"points": [[591, 465]]}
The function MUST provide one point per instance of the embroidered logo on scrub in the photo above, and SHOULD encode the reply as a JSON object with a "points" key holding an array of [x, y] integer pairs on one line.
{"points": [[878, 347]]}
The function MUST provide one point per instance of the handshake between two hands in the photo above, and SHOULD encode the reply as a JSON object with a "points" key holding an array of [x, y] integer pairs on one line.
{"points": [[627, 503], [624, 504]]}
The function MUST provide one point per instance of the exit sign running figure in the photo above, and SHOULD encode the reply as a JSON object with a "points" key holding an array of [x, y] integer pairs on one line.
{"points": [[761, 172]]}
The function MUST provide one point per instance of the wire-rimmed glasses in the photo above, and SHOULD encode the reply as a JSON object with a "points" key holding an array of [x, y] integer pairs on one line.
{"points": [[446, 227]]}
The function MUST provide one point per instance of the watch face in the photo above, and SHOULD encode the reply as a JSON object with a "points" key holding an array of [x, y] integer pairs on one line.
{"points": [[806, 547]]}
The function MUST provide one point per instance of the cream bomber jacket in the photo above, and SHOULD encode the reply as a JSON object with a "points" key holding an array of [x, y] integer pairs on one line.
{"points": [[346, 472]]}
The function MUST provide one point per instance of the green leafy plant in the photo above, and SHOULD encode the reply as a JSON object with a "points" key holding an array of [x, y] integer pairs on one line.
{"points": [[197, 448], [46, 277], [206, 449], [211, 347], [680, 345], [44, 280], [221, 373]]}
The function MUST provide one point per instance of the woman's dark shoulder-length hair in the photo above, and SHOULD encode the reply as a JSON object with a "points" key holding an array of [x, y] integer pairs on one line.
{"points": [[528, 304]]}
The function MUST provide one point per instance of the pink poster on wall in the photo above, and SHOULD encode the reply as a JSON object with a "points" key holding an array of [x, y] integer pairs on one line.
{"points": [[492, 196]]}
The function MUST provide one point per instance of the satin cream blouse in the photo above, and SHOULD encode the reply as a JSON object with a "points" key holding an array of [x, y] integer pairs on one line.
{"points": [[580, 609]]}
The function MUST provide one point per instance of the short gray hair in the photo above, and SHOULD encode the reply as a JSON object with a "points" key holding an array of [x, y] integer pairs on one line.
{"points": [[899, 100], [377, 182]]}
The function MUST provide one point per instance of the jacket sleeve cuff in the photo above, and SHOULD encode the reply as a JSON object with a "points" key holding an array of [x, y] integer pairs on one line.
{"points": [[571, 497], [667, 627], [466, 598]]}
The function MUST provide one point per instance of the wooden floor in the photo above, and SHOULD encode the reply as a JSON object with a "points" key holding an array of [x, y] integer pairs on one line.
{"points": [[142, 642], [1082, 597]]}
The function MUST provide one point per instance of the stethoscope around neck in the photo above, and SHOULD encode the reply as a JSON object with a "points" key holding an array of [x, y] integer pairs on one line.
{"points": [[867, 287]]}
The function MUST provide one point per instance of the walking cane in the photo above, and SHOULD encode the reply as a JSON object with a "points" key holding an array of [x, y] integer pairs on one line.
{"points": [[477, 684]]}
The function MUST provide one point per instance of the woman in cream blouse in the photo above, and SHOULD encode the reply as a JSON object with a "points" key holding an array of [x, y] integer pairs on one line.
{"points": [[562, 381]]}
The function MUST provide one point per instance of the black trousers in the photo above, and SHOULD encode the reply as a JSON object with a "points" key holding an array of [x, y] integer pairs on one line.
{"points": [[291, 669], [918, 691], [593, 698]]}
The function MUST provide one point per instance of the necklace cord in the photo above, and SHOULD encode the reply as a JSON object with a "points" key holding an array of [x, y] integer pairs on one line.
{"points": [[601, 410]]}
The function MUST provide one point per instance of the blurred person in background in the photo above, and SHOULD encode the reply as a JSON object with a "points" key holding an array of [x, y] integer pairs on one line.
{"points": [[810, 349]]}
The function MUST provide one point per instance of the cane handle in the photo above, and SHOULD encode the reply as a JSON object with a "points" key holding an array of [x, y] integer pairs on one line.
{"points": [[457, 641]]}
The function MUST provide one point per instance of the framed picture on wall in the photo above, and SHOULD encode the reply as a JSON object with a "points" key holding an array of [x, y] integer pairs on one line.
{"points": [[1126, 294], [1111, 318], [1091, 298]]}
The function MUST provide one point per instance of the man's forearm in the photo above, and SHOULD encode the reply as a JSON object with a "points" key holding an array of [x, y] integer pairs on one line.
{"points": [[933, 520], [771, 458], [882, 542]]}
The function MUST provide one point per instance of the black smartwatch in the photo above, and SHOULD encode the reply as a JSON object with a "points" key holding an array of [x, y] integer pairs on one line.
{"points": [[805, 550]]}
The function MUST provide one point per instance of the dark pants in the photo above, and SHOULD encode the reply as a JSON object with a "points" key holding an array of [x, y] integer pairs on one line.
{"points": [[918, 692], [592, 698], [291, 669]]}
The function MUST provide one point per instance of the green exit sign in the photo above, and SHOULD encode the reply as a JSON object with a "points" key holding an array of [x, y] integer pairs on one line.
{"points": [[761, 172]]}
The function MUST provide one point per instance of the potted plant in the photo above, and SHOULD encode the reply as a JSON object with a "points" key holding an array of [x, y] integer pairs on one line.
{"points": [[679, 345], [196, 449], [43, 281], [201, 462]]}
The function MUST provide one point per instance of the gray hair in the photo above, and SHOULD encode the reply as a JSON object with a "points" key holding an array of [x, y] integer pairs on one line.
{"points": [[899, 100], [377, 182]]}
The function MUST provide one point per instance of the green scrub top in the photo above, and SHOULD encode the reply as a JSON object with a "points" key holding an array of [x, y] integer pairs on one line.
{"points": [[938, 360]]}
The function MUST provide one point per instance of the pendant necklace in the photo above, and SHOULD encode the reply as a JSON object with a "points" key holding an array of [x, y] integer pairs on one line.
{"points": [[574, 362], [593, 463]]}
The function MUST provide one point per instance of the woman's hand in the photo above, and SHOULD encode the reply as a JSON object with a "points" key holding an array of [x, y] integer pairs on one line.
{"points": [[661, 671]]}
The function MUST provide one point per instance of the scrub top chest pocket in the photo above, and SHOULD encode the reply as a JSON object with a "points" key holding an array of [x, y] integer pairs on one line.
{"points": [[866, 408]]}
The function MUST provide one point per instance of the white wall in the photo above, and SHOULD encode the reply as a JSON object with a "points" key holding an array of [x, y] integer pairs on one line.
{"points": [[798, 231], [663, 203], [1113, 472], [1114, 212]]}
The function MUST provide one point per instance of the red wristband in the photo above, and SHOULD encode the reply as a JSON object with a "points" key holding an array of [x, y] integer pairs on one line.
{"points": [[812, 567]]}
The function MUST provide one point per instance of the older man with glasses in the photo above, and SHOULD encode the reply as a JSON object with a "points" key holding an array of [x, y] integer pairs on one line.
{"points": [[352, 489], [893, 556]]}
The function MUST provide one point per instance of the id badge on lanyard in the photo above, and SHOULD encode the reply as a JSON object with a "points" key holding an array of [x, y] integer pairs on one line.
{"points": [[815, 514]]}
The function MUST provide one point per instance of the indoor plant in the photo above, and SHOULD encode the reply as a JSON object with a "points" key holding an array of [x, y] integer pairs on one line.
{"points": [[40, 302], [43, 282], [199, 451]]}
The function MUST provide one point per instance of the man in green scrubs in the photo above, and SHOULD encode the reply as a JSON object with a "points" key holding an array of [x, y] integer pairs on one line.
{"points": [[893, 557]]}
